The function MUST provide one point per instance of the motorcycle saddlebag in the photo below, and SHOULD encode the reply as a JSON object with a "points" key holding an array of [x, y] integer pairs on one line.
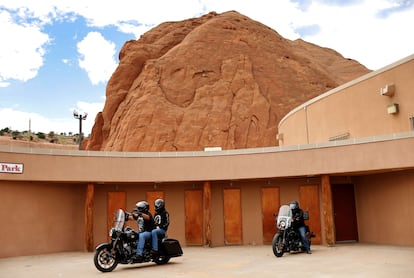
{"points": [[172, 247]]}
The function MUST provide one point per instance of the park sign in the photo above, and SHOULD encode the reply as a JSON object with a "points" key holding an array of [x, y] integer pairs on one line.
{"points": [[11, 168]]}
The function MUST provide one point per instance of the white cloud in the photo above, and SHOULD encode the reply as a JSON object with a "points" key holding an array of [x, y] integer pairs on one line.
{"points": [[92, 109], [23, 121], [21, 49], [353, 29], [98, 57], [358, 33]]}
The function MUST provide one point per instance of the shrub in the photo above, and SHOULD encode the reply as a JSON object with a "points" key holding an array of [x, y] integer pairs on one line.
{"points": [[41, 135], [15, 134]]}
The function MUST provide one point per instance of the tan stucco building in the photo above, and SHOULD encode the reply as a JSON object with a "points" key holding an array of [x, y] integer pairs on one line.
{"points": [[345, 155]]}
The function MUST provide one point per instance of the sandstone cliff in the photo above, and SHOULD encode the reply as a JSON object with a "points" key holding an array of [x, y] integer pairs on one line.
{"points": [[221, 80]]}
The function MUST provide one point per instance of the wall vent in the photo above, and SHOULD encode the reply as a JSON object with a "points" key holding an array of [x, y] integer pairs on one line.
{"points": [[388, 90]]}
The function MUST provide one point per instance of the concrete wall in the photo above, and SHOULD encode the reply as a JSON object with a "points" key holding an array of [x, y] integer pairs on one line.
{"points": [[385, 210], [356, 108], [49, 217], [367, 154], [39, 218]]}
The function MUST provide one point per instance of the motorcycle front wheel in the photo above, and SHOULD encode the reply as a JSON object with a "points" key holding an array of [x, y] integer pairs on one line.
{"points": [[103, 259], [277, 245]]}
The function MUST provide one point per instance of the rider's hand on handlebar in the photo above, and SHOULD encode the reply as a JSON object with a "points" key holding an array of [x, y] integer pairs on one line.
{"points": [[135, 215]]}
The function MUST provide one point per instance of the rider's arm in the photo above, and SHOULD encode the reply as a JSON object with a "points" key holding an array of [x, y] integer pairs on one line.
{"points": [[165, 221], [135, 215], [298, 215], [129, 216]]}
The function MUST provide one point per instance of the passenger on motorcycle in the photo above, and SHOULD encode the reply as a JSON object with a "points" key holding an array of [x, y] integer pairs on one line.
{"points": [[298, 223], [145, 226], [161, 222]]}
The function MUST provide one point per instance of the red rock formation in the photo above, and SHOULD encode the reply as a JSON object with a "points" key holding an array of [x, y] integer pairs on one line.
{"points": [[221, 80]]}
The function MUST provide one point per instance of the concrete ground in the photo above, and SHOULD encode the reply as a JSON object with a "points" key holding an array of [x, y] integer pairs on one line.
{"points": [[343, 260]]}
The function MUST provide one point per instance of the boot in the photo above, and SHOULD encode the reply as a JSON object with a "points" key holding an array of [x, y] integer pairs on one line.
{"points": [[137, 258]]}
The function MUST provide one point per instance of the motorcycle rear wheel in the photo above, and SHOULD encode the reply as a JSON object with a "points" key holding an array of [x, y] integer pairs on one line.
{"points": [[103, 259], [162, 260], [277, 245]]}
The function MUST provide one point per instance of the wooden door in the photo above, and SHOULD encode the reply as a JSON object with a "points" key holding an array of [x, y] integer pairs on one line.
{"points": [[345, 220], [232, 217], [152, 196], [116, 200], [270, 207], [309, 201], [193, 207]]}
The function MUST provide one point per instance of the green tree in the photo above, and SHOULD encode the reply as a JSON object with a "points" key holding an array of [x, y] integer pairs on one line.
{"points": [[41, 135]]}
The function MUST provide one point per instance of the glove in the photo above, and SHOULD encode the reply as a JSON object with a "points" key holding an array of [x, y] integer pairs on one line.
{"points": [[136, 215]]}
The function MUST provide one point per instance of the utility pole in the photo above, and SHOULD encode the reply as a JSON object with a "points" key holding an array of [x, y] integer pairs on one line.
{"points": [[30, 129], [80, 117]]}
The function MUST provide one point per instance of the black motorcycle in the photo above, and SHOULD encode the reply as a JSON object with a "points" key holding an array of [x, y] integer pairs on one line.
{"points": [[123, 245], [287, 239]]}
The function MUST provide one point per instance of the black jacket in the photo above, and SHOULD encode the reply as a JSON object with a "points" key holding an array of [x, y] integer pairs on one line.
{"points": [[145, 225], [162, 219], [297, 218]]}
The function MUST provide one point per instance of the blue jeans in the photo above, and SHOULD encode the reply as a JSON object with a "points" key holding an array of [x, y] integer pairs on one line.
{"points": [[142, 237], [155, 234], [302, 232]]}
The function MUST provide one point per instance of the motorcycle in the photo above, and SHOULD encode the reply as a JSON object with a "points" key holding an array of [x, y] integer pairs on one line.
{"points": [[123, 245], [287, 239]]}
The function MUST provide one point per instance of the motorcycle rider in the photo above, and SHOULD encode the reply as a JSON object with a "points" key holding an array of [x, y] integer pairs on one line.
{"points": [[161, 222], [298, 223], [145, 226]]}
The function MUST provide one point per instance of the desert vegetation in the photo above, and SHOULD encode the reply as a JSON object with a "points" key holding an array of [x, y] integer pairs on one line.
{"points": [[51, 137]]}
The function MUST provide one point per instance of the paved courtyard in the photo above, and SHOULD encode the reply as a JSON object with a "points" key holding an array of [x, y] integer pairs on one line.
{"points": [[343, 260]]}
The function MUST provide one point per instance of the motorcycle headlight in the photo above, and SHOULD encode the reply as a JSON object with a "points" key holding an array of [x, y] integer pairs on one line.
{"points": [[282, 224]]}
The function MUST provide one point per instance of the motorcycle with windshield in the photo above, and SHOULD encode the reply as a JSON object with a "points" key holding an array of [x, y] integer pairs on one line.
{"points": [[123, 245], [287, 239]]}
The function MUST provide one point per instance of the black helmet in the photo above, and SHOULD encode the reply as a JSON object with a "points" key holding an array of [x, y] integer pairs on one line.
{"points": [[294, 205], [142, 206], [159, 204]]}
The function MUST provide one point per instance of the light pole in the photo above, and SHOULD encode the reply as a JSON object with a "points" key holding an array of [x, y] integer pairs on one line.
{"points": [[80, 117]]}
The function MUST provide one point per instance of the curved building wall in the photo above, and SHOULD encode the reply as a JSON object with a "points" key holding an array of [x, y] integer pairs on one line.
{"points": [[289, 161], [47, 200], [61, 200], [356, 109]]}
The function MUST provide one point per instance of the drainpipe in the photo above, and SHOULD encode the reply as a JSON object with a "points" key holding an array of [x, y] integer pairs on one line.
{"points": [[307, 128]]}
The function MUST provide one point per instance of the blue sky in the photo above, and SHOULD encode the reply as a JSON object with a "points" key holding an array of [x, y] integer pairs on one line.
{"points": [[57, 56]]}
